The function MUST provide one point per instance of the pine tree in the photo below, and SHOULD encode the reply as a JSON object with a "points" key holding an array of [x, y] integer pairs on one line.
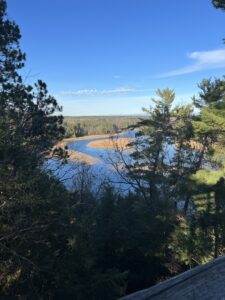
{"points": [[33, 206], [29, 126], [219, 4], [151, 145], [204, 226], [163, 159], [12, 58]]}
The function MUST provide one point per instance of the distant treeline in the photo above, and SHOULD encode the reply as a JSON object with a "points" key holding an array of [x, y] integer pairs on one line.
{"points": [[80, 126], [93, 242]]}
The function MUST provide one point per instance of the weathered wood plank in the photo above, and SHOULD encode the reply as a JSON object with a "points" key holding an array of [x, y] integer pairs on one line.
{"points": [[204, 282]]}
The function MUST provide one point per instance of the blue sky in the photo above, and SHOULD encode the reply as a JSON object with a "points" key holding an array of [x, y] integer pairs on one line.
{"points": [[103, 57]]}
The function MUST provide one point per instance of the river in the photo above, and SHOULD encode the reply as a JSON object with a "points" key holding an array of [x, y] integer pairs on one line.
{"points": [[101, 171]]}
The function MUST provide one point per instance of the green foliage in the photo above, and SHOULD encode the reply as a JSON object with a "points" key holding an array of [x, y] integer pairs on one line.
{"points": [[163, 158], [200, 236], [117, 241], [209, 124], [80, 126], [55, 244], [219, 4], [12, 57], [35, 229], [192, 244], [207, 177], [179, 156], [211, 94], [33, 215], [29, 124]]}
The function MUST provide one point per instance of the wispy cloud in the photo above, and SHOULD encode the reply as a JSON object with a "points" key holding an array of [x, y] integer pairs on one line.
{"points": [[116, 76], [203, 60], [96, 92]]}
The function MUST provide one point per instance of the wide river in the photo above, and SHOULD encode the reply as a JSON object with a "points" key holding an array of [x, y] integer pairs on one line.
{"points": [[102, 170]]}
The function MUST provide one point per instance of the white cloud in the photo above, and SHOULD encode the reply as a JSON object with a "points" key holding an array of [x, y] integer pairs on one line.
{"points": [[96, 92], [203, 60]]}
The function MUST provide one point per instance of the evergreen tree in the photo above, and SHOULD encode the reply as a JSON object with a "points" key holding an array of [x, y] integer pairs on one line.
{"points": [[163, 159], [34, 215], [209, 124], [204, 225], [12, 57], [219, 4], [151, 145]]}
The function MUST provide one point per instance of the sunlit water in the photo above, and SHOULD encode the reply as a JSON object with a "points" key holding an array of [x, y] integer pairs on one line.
{"points": [[102, 170]]}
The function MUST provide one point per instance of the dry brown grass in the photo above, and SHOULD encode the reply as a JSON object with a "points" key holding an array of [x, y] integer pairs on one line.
{"points": [[75, 156], [193, 145], [114, 144], [96, 136]]}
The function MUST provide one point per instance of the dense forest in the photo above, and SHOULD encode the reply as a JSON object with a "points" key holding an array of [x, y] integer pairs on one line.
{"points": [[61, 244], [81, 126]]}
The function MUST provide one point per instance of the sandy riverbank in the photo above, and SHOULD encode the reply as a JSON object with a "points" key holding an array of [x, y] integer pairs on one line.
{"points": [[76, 156], [112, 144]]}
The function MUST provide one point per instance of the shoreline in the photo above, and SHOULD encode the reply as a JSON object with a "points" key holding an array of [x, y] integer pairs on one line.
{"points": [[120, 144], [76, 156]]}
